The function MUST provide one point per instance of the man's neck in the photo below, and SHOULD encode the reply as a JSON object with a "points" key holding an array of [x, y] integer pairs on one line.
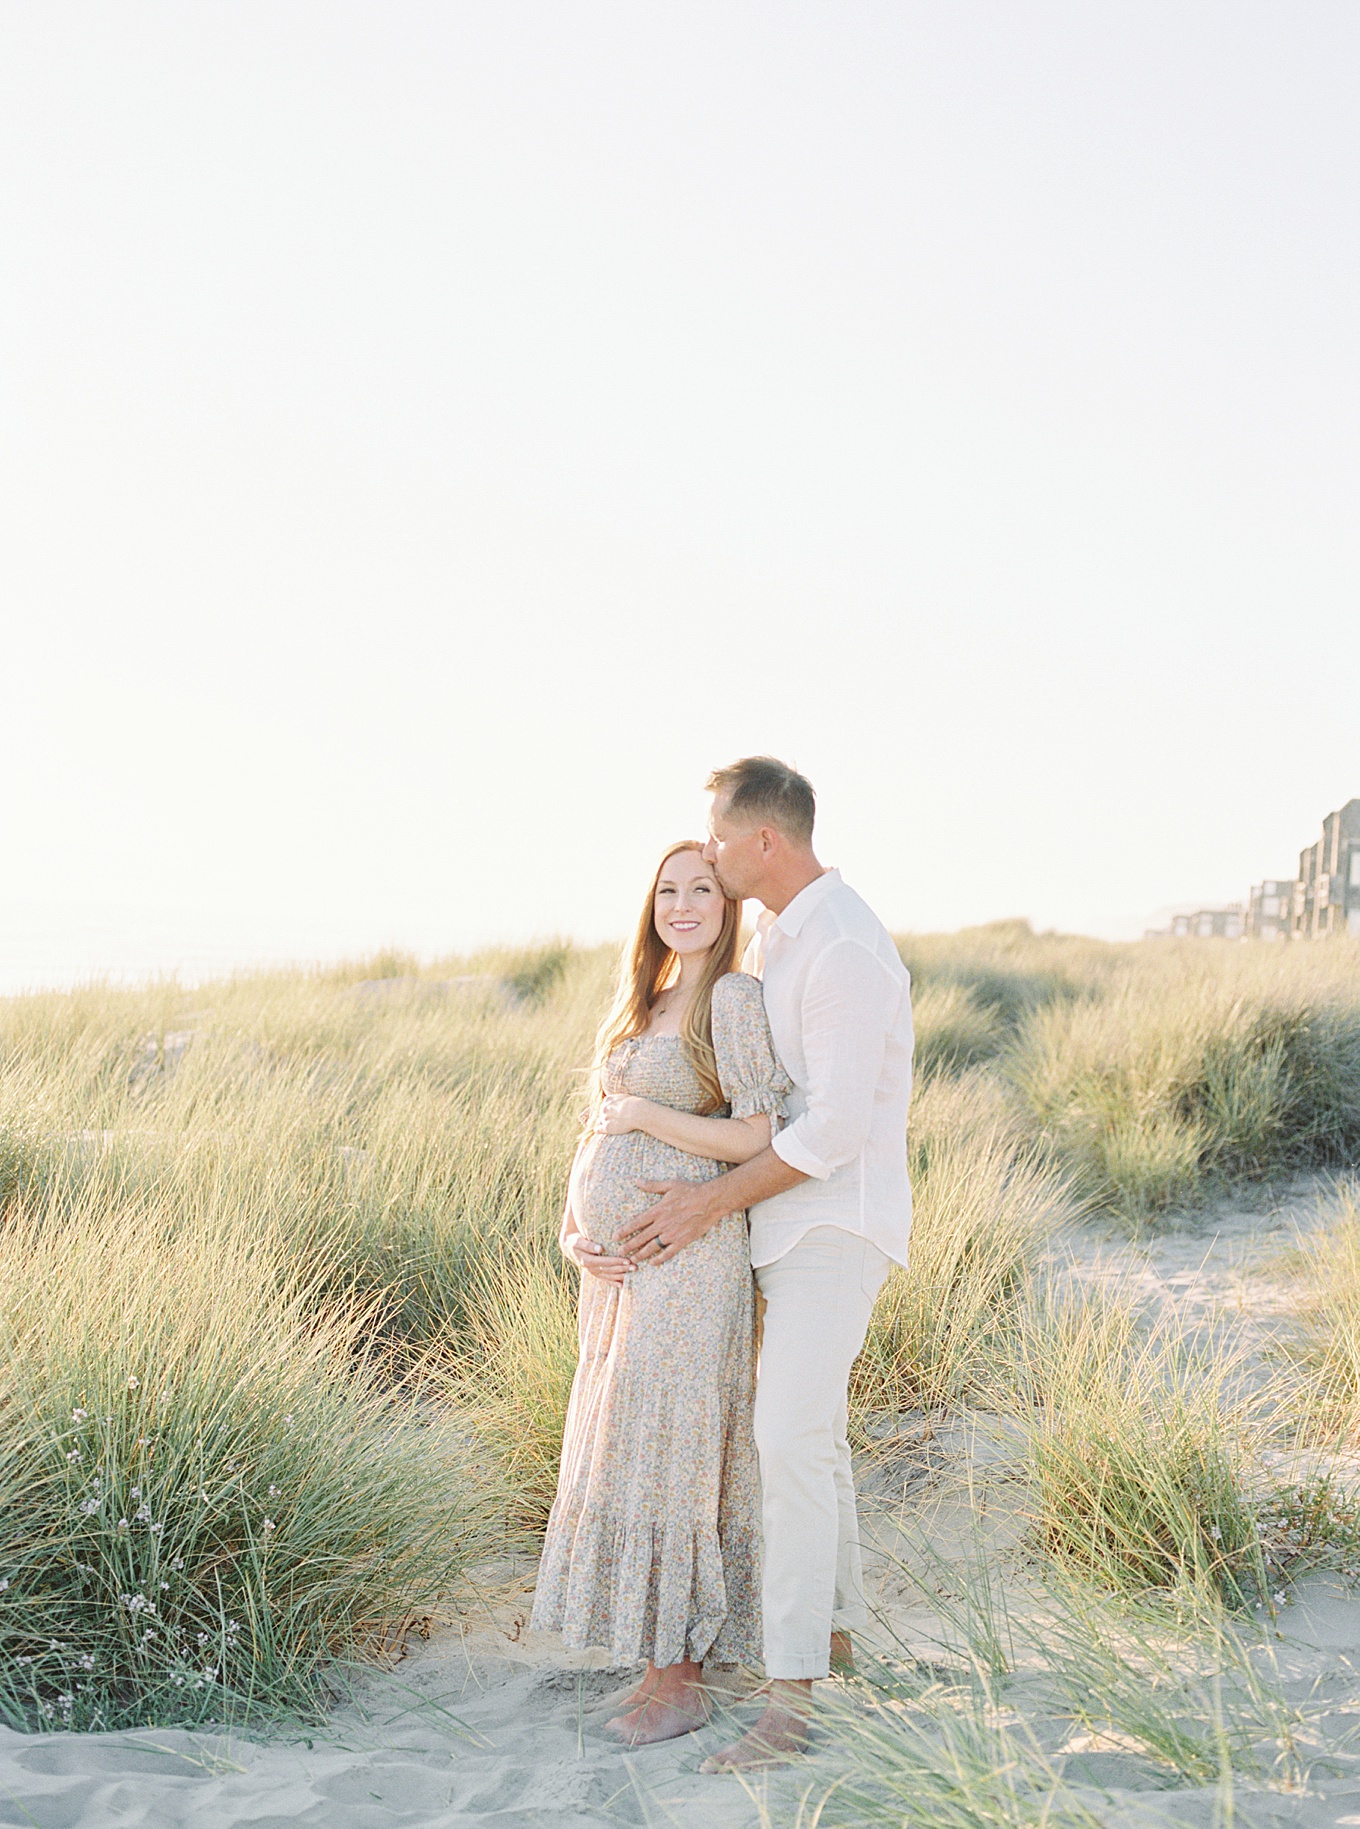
{"points": [[791, 882]]}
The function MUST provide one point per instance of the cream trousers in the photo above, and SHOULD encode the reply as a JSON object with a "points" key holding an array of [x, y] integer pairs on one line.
{"points": [[819, 1297]]}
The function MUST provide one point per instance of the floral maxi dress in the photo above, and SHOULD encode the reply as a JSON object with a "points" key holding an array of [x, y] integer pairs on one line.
{"points": [[653, 1545]]}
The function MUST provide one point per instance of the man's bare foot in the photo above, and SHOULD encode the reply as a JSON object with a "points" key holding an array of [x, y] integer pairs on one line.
{"points": [[780, 1732]]}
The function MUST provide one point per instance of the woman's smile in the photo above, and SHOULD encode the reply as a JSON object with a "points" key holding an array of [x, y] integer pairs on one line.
{"points": [[689, 904]]}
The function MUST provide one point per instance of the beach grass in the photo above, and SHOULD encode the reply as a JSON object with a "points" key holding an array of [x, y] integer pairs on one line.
{"points": [[1194, 1073], [1150, 1695], [909, 1749], [249, 1235], [212, 1493], [1140, 1454], [332, 1196], [1330, 1348], [985, 1205]]}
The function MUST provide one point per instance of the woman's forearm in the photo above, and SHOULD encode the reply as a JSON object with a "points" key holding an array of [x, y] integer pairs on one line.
{"points": [[718, 1139]]}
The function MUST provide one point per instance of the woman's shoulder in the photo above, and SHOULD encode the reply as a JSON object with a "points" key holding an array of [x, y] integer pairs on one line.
{"points": [[736, 992]]}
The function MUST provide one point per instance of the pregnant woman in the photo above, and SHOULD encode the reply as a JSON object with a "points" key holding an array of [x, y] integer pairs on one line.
{"points": [[653, 1546]]}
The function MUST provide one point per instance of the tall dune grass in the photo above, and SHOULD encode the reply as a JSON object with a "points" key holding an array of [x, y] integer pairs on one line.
{"points": [[1330, 1349], [1171, 1085], [1139, 1455], [984, 1206], [209, 1492], [1158, 1074], [385, 1138], [332, 1196], [1010, 971], [238, 1223], [514, 1385]]}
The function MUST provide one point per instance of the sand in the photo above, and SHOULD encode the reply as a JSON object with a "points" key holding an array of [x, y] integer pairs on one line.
{"points": [[486, 1724]]}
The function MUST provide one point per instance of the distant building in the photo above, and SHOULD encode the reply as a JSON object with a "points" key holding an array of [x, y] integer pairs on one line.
{"points": [[1209, 924], [1327, 893], [1270, 910]]}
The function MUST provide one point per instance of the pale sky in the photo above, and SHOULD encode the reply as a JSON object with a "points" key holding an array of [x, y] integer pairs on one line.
{"points": [[434, 435]]}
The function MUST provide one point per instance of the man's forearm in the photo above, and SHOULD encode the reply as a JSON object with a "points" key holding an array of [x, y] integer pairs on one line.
{"points": [[759, 1179]]}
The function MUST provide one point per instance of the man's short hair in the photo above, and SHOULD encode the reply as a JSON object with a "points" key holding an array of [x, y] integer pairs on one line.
{"points": [[762, 791]]}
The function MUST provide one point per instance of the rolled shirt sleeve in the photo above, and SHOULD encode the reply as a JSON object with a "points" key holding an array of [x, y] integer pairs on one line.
{"points": [[850, 1003]]}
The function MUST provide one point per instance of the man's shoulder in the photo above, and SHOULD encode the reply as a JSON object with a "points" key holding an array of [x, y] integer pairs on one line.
{"points": [[844, 915]]}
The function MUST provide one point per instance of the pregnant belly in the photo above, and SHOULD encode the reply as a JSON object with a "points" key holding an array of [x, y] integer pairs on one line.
{"points": [[605, 1194]]}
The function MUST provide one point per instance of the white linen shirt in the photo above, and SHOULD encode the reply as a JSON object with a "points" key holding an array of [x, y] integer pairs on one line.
{"points": [[838, 999]]}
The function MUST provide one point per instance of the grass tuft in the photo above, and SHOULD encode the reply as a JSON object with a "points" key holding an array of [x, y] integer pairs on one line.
{"points": [[210, 1493], [1139, 1457], [1331, 1347], [984, 1205]]}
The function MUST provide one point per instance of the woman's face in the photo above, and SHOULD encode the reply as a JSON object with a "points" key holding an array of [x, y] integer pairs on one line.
{"points": [[688, 905]]}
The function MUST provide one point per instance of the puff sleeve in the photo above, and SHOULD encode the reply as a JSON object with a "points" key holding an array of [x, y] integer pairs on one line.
{"points": [[752, 1079]]}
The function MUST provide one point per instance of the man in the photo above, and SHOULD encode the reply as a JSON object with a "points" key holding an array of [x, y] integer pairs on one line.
{"points": [[830, 1208]]}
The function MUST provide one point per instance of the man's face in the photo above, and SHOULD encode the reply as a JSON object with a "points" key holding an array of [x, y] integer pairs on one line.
{"points": [[735, 852]]}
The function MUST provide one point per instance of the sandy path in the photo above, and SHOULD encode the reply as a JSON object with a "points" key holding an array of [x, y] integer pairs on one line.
{"points": [[487, 1727], [484, 1725], [481, 1742]]}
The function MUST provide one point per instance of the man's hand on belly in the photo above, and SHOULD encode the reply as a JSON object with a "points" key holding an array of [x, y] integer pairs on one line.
{"points": [[685, 1212], [688, 1209]]}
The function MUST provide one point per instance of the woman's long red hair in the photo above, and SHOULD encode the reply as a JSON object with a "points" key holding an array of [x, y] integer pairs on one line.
{"points": [[648, 967]]}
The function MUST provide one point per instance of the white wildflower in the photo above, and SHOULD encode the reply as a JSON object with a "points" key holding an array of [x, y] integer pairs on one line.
{"points": [[133, 1382], [269, 1524], [78, 1416]]}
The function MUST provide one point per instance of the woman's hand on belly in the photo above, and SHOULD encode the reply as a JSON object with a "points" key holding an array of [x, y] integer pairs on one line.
{"points": [[591, 1258]]}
